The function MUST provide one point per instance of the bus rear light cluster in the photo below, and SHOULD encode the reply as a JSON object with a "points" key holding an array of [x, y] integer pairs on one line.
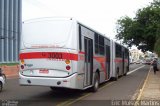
{"points": [[22, 64], [68, 62]]}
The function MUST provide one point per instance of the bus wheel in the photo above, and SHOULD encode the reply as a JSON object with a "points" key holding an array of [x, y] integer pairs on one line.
{"points": [[96, 83], [117, 74], [127, 68], [1, 86], [57, 89], [52, 88]]}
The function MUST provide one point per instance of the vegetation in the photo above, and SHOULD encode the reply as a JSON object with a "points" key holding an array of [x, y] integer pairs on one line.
{"points": [[143, 30], [8, 64]]}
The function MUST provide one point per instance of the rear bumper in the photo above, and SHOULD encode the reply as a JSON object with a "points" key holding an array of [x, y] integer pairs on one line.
{"points": [[67, 82]]}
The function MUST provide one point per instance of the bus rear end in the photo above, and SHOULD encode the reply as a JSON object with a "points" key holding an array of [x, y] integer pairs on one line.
{"points": [[49, 54]]}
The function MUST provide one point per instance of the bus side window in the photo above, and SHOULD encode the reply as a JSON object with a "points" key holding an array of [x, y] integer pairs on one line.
{"points": [[80, 39], [96, 43], [101, 45], [118, 51]]}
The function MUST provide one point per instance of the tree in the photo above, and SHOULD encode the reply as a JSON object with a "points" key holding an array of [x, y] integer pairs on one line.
{"points": [[157, 47], [143, 30]]}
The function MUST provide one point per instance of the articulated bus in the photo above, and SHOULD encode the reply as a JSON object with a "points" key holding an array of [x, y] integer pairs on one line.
{"points": [[64, 53]]}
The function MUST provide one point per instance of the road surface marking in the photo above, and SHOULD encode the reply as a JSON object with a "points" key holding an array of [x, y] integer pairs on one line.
{"points": [[135, 70], [141, 90], [106, 85], [70, 102], [135, 96]]}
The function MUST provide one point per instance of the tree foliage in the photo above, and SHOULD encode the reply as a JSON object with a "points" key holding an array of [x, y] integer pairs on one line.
{"points": [[143, 30]]}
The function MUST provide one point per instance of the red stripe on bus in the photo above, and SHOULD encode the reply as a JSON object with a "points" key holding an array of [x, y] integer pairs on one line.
{"points": [[102, 60], [99, 59], [120, 60], [49, 55], [81, 52]]}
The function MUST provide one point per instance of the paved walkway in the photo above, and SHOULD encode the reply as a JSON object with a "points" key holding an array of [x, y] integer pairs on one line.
{"points": [[151, 87], [10, 71]]}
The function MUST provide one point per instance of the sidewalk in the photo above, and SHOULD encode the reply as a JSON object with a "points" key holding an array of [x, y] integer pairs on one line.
{"points": [[151, 87], [10, 71]]}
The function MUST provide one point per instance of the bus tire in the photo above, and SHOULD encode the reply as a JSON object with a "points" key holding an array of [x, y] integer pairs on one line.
{"points": [[96, 83], [52, 88], [117, 75], [127, 69], [56, 89]]}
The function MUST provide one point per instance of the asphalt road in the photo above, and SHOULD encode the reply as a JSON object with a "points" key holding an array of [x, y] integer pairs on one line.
{"points": [[126, 88], [134, 66]]}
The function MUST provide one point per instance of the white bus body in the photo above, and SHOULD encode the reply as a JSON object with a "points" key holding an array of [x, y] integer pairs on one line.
{"points": [[65, 53], [120, 60]]}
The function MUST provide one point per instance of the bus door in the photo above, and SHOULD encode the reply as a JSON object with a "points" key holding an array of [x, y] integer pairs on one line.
{"points": [[123, 62], [108, 61], [88, 47]]}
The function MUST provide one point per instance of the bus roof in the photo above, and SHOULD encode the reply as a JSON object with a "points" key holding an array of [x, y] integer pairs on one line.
{"points": [[62, 18]]}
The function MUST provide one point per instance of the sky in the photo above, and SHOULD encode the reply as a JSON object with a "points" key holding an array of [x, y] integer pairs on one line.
{"points": [[100, 15]]}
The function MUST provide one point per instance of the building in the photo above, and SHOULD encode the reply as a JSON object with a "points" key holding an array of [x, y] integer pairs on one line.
{"points": [[150, 55], [136, 55], [10, 29]]}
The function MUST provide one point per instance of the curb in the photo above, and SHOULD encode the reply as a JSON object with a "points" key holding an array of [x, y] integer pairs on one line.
{"points": [[142, 89]]}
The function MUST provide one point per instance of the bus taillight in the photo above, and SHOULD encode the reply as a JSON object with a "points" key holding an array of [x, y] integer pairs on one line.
{"points": [[22, 61], [67, 61], [22, 66], [68, 67]]}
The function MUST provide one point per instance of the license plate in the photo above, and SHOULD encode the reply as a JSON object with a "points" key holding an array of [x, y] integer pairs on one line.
{"points": [[44, 71]]}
